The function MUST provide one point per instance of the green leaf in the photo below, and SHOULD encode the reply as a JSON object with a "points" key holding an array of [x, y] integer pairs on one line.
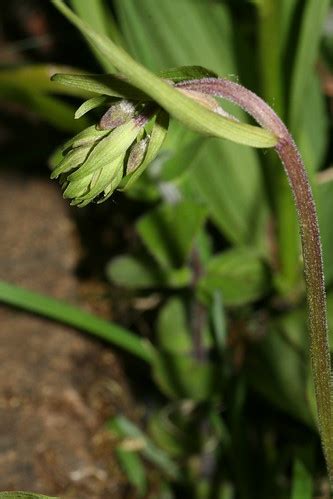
{"points": [[67, 314], [172, 328], [169, 231], [181, 160], [111, 85], [183, 73], [227, 178], [95, 14], [312, 140], [173, 332], [141, 273], [302, 485], [167, 435], [36, 78], [132, 466], [279, 370], [173, 429], [239, 274], [324, 198], [186, 110], [314, 15], [287, 10], [229, 181], [172, 373], [90, 104], [125, 428]]}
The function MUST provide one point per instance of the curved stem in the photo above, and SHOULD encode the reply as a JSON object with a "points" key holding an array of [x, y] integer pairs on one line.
{"points": [[311, 246]]}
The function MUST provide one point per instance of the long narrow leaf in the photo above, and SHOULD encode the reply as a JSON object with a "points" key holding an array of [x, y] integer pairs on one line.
{"points": [[94, 13], [72, 316], [315, 12]]}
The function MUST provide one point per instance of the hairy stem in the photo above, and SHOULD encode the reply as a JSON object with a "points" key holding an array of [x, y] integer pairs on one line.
{"points": [[311, 247]]}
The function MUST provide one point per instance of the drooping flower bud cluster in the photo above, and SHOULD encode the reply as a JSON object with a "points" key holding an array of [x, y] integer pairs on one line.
{"points": [[94, 162], [113, 153]]}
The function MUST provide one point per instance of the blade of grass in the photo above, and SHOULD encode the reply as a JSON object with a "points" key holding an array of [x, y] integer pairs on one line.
{"points": [[302, 486], [315, 12], [72, 316]]}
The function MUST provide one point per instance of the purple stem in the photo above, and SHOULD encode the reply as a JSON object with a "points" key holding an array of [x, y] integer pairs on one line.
{"points": [[310, 237]]}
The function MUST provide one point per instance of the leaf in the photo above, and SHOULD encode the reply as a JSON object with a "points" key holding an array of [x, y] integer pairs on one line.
{"points": [[168, 231], [324, 198], [182, 160], [183, 73], [37, 78], [312, 140], [173, 332], [172, 328], [314, 15], [287, 10], [167, 435], [186, 110], [141, 273], [302, 485], [279, 371], [239, 274], [227, 178], [67, 314], [90, 104], [94, 13], [132, 466], [125, 428], [171, 373], [111, 85], [173, 429]]}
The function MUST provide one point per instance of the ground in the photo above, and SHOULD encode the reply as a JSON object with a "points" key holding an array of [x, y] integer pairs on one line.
{"points": [[57, 385]]}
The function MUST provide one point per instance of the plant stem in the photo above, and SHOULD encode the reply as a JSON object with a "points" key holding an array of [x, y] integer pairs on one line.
{"points": [[311, 246]]}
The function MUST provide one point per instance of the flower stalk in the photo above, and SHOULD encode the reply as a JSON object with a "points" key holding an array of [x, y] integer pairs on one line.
{"points": [[311, 245]]}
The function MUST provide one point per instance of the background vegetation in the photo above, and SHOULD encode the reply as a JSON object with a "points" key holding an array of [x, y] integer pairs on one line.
{"points": [[208, 244]]}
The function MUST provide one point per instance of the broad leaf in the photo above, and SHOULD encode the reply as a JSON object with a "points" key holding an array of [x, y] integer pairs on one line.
{"points": [[240, 275], [142, 273], [169, 231], [173, 329], [172, 373]]}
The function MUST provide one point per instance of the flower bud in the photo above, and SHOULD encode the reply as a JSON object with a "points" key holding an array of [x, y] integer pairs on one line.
{"points": [[93, 163], [118, 114], [137, 154]]}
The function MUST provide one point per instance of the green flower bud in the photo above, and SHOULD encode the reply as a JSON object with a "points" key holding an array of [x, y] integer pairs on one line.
{"points": [[118, 114], [137, 155], [93, 163]]}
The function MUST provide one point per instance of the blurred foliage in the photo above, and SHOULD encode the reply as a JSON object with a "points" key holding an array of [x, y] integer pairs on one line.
{"points": [[233, 412]]}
